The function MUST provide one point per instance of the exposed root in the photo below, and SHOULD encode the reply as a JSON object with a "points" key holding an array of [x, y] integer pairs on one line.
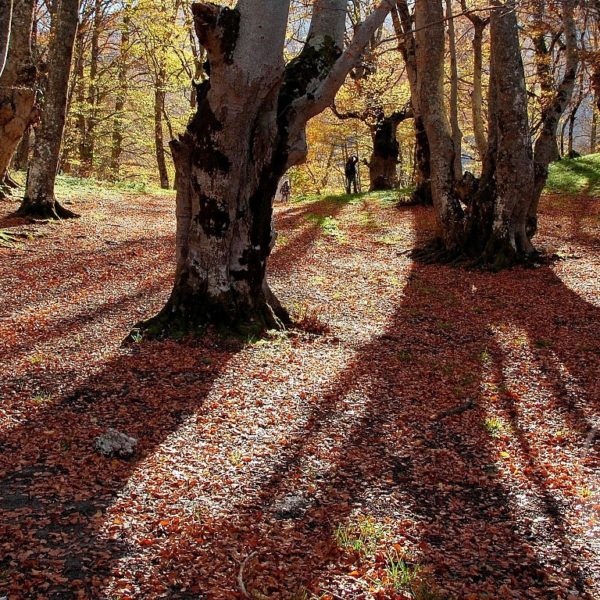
{"points": [[54, 211], [178, 320]]}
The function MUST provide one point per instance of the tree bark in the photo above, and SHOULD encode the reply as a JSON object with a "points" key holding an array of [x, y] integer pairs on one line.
{"points": [[88, 140], [248, 130], [492, 226], [454, 124], [21, 157], [159, 143], [121, 95], [545, 145], [430, 50], [479, 25], [403, 28], [39, 198], [17, 85]]}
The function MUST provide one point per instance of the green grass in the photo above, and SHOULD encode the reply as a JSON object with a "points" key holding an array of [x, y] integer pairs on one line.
{"points": [[75, 188], [575, 176]]}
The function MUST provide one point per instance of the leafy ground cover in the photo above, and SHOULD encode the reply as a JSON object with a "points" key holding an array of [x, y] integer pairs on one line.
{"points": [[431, 432]]}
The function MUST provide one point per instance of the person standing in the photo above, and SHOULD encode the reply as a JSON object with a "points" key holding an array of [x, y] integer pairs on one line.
{"points": [[351, 172]]}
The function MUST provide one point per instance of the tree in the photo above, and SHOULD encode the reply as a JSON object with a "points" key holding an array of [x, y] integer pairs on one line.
{"points": [[248, 130], [403, 26], [17, 85], [39, 200], [500, 216], [6, 8]]}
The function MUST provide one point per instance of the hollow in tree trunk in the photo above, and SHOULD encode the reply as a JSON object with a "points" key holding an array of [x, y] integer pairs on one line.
{"points": [[383, 165]]}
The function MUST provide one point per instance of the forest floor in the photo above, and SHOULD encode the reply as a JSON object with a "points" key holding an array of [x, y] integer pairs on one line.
{"points": [[438, 440]]}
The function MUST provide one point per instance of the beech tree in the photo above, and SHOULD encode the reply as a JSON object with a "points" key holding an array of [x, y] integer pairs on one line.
{"points": [[17, 88], [249, 129], [496, 221], [39, 200]]}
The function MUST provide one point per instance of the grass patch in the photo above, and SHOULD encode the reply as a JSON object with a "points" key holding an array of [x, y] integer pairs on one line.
{"points": [[575, 176], [362, 536]]}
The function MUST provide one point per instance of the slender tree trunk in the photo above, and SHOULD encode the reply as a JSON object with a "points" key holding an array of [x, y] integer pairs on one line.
{"points": [[479, 25], [80, 120], [250, 127], [454, 124], [39, 199], [159, 144], [91, 102], [121, 96], [403, 28], [6, 9], [17, 87], [429, 23]]}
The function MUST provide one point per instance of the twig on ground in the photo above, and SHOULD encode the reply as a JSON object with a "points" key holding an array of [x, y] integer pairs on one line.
{"points": [[241, 583]]}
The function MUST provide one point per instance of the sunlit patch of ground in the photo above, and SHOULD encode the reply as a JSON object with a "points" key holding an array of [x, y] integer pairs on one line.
{"points": [[437, 442]]}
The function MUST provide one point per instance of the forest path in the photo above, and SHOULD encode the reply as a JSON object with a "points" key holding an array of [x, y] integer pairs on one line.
{"points": [[436, 442]]}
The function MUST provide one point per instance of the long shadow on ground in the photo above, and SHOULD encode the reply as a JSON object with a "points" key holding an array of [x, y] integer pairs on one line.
{"points": [[378, 442]]}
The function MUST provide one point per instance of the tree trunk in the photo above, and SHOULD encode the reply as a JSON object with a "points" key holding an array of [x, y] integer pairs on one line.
{"points": [[479, 25], [121, 95], [494, 227], [248, 130], [403, 29], [17, 84], [159, 144], [454, 124], [88, 141], [383, 165], [429, 23], [545, 145], [6, 9], [39, 199]]}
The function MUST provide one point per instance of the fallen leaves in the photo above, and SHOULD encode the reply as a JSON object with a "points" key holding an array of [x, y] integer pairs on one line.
{"points": [[451, 408]]}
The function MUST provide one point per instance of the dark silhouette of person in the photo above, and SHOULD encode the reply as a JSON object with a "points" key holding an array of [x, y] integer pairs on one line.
{"points": [[285, 191], [351, 172]]}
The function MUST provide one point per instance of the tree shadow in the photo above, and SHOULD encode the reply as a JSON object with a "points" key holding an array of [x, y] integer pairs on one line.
{"points": [[374, 445], [381, 440]]}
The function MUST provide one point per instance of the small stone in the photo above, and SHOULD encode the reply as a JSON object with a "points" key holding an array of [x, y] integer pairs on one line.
{"points": [[291, 507], [115, 443]]}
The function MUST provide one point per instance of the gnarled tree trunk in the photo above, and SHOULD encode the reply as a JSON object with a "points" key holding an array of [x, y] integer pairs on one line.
{"points": [[39, 200], [383, 164], [17, 87], [496, 221], [248, 130]]}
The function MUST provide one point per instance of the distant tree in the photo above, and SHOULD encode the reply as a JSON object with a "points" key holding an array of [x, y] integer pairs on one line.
{"points": [[6, 8]]}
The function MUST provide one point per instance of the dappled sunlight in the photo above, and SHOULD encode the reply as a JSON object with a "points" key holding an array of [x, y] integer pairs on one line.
{"points": [[442, 421]]}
